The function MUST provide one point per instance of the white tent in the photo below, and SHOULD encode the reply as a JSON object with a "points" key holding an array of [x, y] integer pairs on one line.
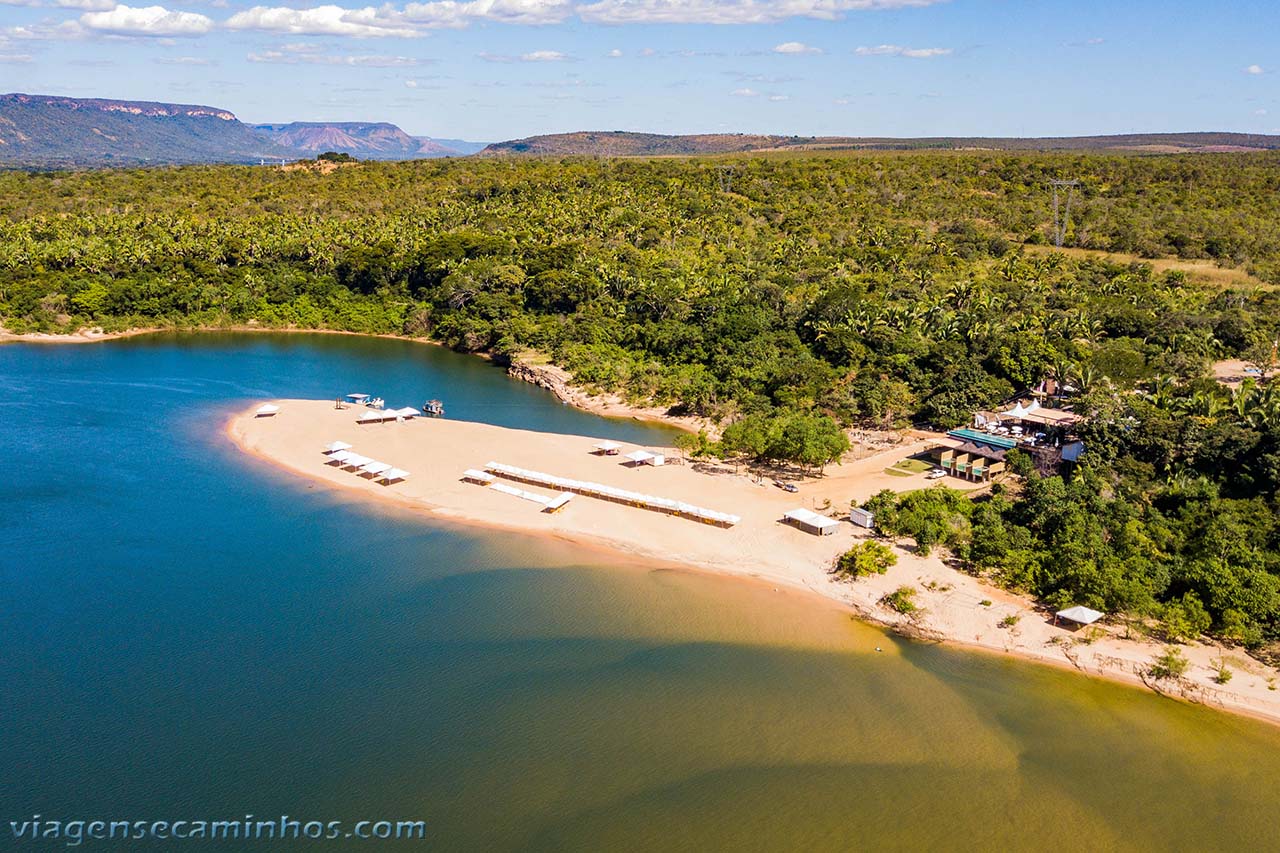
{"points": [[811, 522], [477, 476], [335, 446], [1080, 615], [355, 460], [644, 457], [406, 412], [375, 467], [357, 397], [392, 476], [608, 448], [341, 456], [370, 417], [266, 410]]}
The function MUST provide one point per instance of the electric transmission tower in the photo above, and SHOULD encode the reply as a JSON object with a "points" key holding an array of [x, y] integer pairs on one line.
{"points": [[1060, 223]]}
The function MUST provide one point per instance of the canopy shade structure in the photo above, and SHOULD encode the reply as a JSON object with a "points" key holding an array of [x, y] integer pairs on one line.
{"points": [[335, 446], [1080, 615], [557, 503], [644, 457], [357, 397], [355, 460], [473, 476], [406, 412], [811, 522], [393, 475], [612, 493], [375, 467], [266, 410], [341, 456], [371, 417], [608, 448]]}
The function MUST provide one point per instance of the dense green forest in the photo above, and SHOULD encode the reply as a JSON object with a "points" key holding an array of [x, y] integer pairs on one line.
{"points": [[781, 295]]}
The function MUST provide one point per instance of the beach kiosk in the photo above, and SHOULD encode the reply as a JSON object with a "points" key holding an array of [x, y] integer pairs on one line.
{"points": [[862, 517], [811, 522], [267, 410]]}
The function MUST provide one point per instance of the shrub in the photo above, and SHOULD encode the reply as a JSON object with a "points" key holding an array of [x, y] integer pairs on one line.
{"points": [[902, 600], [1169, 664], [866, 558]]}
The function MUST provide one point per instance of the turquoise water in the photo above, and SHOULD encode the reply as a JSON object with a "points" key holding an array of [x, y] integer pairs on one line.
{"points": [[186, 634]]}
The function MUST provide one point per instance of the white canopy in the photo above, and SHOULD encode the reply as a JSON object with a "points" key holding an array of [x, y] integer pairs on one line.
{"points": [[341, 455], [598, 490], [357, 396], [355, 460], [334, 446], [394, 474], [559, 500], [639, 456], [1080, 615], [370, 416], [406, 412], [266, 410], [375, 467], [480, 476], [608, 446], [810, 518]]}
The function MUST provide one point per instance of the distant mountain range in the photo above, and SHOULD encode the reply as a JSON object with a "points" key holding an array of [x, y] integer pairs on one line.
{"points": [[49, 131], [364, 140], [627, 144]]}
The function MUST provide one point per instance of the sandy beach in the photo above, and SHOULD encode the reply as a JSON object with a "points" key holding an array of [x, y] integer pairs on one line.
{"points": [[956, 607]]}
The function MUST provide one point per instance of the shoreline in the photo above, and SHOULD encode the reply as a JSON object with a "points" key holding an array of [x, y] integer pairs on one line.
{"points": [[957, 609], [548, 376]]}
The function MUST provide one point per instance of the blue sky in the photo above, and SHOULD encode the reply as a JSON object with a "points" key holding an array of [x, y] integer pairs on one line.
{"points": [[498, 69]]}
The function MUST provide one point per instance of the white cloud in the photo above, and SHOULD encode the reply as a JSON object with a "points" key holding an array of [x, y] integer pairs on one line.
{"points": [[543, 56], [184, 60], [88, 5], [1261, 112], [796, 48], [452, 14], [899, 50], [15, 58], [303, 57], [411, 84], [730, 11], [745, 93], [324, 20], [146, 21], [1253, 69], [614, 54], [779, 97]]}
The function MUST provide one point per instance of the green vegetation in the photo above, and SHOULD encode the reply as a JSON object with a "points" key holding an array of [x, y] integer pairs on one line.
{"points": [[783, 297], [1009, 621], [1171, 664], [902, 599], [912, 466], [866, 558]]}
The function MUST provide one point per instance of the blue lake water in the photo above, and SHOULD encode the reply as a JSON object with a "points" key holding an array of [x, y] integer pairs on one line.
{"points": [[186, 634]]}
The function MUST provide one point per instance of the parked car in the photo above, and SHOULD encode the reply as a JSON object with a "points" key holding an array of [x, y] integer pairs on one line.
{"points": [[936, 474], [786, 487]]}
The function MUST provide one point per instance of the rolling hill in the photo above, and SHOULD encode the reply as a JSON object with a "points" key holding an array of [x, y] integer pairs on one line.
{"points": [[629, 144], [58, 132], [363, 140]]}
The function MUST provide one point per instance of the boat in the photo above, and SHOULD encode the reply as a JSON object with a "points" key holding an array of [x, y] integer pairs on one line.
{"points": [[434, 408]]}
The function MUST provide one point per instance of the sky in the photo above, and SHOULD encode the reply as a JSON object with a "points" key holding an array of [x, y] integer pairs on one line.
{"points": [[489, 70]]}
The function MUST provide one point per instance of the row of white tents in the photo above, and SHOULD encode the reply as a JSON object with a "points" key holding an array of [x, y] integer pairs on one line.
{"points": [[339, 454], [611, 493], [376, 416]]}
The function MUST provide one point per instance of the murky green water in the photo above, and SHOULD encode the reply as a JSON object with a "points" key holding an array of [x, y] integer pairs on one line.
{"points": [[185, 634]]}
